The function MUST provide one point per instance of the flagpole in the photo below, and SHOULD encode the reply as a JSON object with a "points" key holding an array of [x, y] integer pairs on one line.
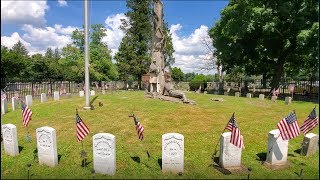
{"points": [[215, 149]]}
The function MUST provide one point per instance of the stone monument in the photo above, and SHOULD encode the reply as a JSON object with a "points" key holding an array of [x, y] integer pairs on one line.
{"points": [[4, 106], [261, 96], [10, 139], [230, 155], [277, 151], [309, 144], [47, 146], [28, 100], [14, 103], [43, 97], [172, 152], [56, 96], [104, 153]]}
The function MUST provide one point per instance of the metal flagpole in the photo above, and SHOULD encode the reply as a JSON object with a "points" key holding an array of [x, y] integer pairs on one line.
{"points": [[215, 149], [86, 52]]}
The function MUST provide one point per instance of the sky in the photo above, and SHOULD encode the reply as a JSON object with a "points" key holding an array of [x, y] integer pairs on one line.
{"points": [[49, 24]]}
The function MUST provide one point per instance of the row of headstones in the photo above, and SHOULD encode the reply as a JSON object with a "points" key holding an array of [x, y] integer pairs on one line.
{"points": [[261, 97], [43, 98], [104, 149]]}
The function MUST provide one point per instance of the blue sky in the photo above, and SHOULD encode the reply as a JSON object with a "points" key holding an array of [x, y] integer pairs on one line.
{"points": [[43, 24]]}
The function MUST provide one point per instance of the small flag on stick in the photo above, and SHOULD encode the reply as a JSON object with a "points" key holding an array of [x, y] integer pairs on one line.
{"points": [[139, 127], [82, 129], [289, 127], [26, 114], [311, 122], [3, 95], [235, 138]]}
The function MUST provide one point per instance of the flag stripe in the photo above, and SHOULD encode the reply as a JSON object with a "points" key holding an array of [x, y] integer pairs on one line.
{"points": [[82, 128], [311, 122], [236, 138], [289, 127], [26, 114]]}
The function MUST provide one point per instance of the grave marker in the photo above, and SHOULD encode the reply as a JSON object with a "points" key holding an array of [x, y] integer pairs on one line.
{"points": [[10, 140], [47, 146], [172, 152]]}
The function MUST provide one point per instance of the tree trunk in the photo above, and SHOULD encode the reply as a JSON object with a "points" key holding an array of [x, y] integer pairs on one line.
{"points": [[278, 72], [264, 81]]}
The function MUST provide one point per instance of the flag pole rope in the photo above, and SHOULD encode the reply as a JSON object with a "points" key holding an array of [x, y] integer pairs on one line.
{"points": [[215, 149]]}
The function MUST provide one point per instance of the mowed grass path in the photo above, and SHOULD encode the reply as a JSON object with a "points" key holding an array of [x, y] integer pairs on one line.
{"points": [[201, 126]]}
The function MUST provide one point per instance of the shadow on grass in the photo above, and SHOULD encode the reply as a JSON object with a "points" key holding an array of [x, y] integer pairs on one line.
{"points": [[59, 157], [160, 163], [84, 163], [91, 102], [262, 157], [298, 151], [215, 165], [20, 148], [291, 155], [135, 159], [35, 155]]}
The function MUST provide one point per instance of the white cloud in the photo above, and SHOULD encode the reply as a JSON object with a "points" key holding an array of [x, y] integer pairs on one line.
{"points": [[62, 3], [24, 12], [114, 33], [13, 39], [190, 52]]}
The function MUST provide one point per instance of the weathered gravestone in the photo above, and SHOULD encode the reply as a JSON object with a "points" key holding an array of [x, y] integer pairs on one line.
{"points": [[277, 151], [261, 96], [104, 153], [103, 91], [274, 98], [28, 100], [14, 103], [172, 152], [92, 93], [4, 106], [309, 144], [248, 95], [43, 97], [237, 94], [47, 146], [81, 93], [10, 140], [230, 155], [288, 100], [56, 96]]}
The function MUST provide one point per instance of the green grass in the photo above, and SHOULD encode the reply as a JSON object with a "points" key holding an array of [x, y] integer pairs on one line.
{"points": [[201, 126]]}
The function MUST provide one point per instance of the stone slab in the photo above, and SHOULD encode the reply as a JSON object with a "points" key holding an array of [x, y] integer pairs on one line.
{"points": [[92, 93], [47, 146], [10, 139], [288, 100], [237, 94], [43, 97], [230, 155], [81, 93], [310, 144], [248, 95], [261, 96], [28, 100], [277, 152], [56, 96], [172, 153], [4, 106]]}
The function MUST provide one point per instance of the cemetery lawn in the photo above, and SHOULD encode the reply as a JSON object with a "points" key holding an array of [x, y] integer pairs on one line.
{"points": [[200, 124]]}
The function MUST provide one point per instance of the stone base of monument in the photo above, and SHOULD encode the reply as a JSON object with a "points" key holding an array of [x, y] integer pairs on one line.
{"points": [[155, 95], [277, 166]]}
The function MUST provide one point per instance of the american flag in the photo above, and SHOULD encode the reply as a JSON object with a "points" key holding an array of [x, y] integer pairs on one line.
{"points": [[139, 127], [310, 123], [289, 127], [275, 92], [82, 129], [16, 95], [26, 114], [3, 95], [235, 138]]}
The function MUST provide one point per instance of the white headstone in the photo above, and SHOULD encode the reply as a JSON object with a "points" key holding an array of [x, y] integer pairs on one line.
{"points": [[277, 151], [261, 96], [248, 95], [230, 155], [47, 146], [288, 100], [237, 94], [56, 96], [104, 153], [172, 152], [92, 93], [4, 106], [274, 98], [14, 103], [309, 144], [28, 100], [103, 91], [43, 97], [10, 139], [81, 93]]}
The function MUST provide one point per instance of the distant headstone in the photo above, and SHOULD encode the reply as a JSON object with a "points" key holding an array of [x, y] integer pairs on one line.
{"points": [[14, 103], [10, 139], [4, 106], [81, 93], [103, 91], [28, 100], [261, 96], [237, 94], [104, 153], [43, 97], [47, 146], [277, 151], [92, 93], [68, 95], [230, 155], [56, 96], [309, 144], [288, 100], [172, 152], [248, 95], [274, 98]]}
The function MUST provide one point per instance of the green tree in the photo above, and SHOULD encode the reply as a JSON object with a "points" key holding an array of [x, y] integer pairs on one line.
{"points": [[12, 64], [49, 53], [20, 49], [189, 76], [168, 49], [177, 74], [197, 81], [265, 36], [133, 58]]}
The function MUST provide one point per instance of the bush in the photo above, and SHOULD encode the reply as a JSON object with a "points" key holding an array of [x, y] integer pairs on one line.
{"points": [[197, 81]]}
